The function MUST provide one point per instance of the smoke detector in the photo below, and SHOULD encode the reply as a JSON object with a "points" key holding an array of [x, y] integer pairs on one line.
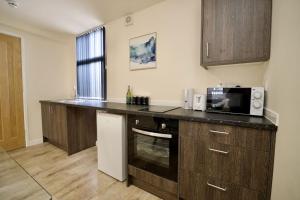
{"points": [[13, 3], [128, 20]]}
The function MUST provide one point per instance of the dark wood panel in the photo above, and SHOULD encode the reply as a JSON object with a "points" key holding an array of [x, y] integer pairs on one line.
{"points": [[46, 121], [232, 191], [248, 168], [236, 31], [167, 188], [193, 153], [255, 139], [69, 128], [271, 165], [82, 129], [60, 125], [242, 167], [249, 138], [54, 121], [191, 185], [152, 189], [194, 186]]}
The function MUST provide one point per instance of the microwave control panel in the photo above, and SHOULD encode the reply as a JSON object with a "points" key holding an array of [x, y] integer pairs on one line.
{"points": [[257, 101]]}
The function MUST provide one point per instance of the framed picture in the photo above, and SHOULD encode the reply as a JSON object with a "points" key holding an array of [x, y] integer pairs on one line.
{"points": [[142, 52]]}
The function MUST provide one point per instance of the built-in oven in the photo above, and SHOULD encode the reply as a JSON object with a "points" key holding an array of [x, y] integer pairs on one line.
{"points": [[153, 145]]}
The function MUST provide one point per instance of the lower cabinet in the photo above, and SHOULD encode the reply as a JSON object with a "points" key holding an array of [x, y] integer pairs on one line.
{"points": [[54, 121], [219, 162], [70, 128]]}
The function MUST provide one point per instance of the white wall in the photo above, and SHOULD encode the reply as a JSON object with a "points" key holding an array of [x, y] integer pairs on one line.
{"points": [[282, 83], [177, 24], [48, 71]]}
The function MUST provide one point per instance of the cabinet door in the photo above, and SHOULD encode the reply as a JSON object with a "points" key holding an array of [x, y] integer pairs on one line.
{"points": [[235, 31], [197, 186]]}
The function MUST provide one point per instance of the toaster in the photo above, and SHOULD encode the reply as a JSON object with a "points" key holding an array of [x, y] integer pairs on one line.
{"points": [[199, 102]]}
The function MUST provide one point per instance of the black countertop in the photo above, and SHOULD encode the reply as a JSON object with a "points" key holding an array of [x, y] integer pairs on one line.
{"points": [[179, 113]]}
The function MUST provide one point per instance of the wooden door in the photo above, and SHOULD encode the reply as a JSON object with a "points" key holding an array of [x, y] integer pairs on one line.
{"points": [[12, 132], [235, 31]]}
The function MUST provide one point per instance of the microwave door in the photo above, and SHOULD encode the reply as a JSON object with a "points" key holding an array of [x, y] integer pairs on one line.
{"points": [[220, 102], [240, 100], [224, 104], [229, 100]]}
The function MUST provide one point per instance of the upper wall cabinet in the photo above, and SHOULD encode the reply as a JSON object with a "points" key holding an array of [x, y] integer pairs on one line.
{"points": [[235, 31]]}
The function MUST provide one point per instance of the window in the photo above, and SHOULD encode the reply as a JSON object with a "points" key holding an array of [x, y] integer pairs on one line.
{"points": [[91, 72]]}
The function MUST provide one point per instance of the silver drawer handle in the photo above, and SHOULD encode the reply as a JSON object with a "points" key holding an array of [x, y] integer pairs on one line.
{"points": [[217, 187], [153, 134], [207, 50], [219, 132], [219, 151]]}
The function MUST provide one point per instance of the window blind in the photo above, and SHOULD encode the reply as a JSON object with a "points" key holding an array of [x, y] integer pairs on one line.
{"points": [[91, 72]]}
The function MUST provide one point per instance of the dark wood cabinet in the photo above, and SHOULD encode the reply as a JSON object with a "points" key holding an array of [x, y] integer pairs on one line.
{"points": [[235, 31], [82, 128], [224, 162], [54, 121], [69, 128]]}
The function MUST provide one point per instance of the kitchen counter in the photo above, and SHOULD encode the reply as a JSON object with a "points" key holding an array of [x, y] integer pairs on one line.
{"points": [[252, 147], [179, 113]]}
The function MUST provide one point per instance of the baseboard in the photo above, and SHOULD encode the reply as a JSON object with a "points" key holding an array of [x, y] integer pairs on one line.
{"points": [[272, 116], [152, 102], [35, 142]]}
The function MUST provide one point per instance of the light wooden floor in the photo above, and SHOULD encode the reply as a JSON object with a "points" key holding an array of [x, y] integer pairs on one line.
{"points": [[74, 177]]}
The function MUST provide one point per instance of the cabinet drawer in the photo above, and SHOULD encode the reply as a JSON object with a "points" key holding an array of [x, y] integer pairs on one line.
{"points": [[239, 166], [220, 133], [230, 164], [195, 186], [249, 138]]}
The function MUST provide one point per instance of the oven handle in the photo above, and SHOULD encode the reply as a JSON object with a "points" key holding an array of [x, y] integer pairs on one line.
{"points": [[159, 135]]}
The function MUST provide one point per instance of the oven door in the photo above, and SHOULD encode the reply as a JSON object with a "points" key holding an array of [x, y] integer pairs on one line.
{"points": [[229, 100], [154, 152]]}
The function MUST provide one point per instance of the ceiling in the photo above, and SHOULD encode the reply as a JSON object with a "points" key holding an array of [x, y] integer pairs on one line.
{"points": [[68, 16]]}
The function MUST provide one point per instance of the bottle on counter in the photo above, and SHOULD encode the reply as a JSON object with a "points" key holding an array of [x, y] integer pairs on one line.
{"points": [[128, 95]]}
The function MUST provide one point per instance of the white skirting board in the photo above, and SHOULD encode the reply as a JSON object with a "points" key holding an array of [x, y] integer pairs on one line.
{"points": [[35, 142]]}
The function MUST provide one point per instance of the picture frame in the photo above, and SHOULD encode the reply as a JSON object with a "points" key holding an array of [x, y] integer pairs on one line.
{"points": [[142, 52]]}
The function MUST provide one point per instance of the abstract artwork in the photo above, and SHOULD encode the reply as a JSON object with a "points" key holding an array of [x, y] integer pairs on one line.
{"points": [[143, 52]]}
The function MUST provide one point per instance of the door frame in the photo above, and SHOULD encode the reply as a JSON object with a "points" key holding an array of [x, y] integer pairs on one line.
{"points": [[24, 86]]}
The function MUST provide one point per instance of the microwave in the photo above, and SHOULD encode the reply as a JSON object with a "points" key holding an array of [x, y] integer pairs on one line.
{"points": [[237, 100]]}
